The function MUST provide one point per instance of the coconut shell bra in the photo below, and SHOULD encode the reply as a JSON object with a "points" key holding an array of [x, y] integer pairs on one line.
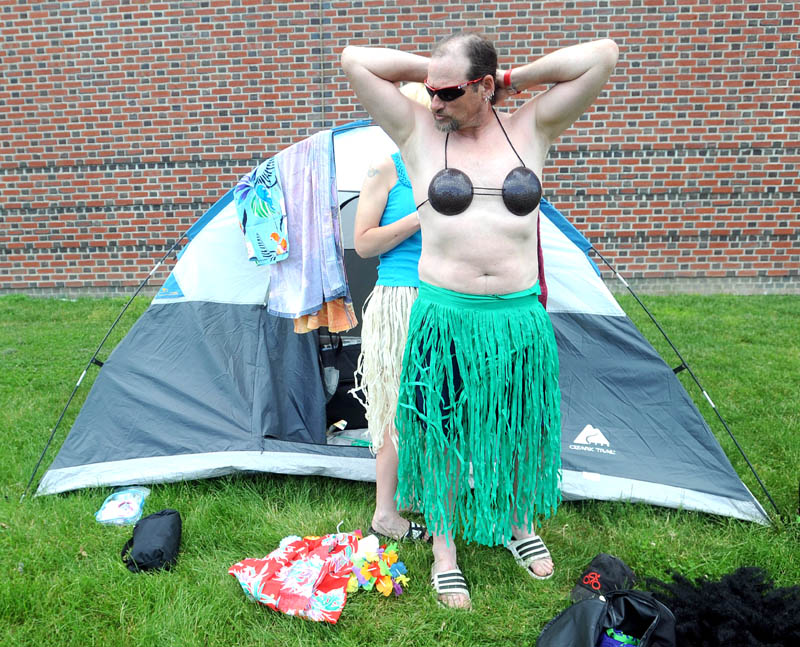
{"points": [[450, 191]]}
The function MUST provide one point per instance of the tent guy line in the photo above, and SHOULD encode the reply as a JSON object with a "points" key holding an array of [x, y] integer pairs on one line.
{"points": [[684, 365], [96, 361]]}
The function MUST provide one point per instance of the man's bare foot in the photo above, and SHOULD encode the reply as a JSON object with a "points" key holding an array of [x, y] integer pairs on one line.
{"points": [[542, 568], [446, 578], [531, 553], [450, 585]]}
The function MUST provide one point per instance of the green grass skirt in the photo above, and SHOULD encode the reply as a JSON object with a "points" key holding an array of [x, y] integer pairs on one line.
{"points": [[479, 398]]}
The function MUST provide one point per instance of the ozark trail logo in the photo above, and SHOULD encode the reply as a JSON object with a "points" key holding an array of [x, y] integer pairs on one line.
{"points": [[592, 440]]}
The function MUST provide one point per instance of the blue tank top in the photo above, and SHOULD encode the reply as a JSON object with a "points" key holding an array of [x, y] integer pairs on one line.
{"points": [[398, 266]]}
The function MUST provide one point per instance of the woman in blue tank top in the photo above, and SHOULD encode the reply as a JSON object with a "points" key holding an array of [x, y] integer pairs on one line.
{"points": [[387, 226]]}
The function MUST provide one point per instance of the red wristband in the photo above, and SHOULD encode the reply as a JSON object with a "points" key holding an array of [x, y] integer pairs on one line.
{"points": [[507, 80]]}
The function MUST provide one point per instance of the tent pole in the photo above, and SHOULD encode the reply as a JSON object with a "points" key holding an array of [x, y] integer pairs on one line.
{"points": [[94, 360], [685, 365]]}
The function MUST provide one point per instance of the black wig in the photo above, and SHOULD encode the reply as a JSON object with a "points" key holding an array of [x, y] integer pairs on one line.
{"points": [[742, 609]]}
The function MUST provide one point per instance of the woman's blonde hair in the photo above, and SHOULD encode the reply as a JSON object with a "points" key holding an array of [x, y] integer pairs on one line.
{"points": [[417, 92]]}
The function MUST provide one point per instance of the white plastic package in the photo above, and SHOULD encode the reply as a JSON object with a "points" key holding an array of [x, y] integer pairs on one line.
{"points": [[123, 507]]}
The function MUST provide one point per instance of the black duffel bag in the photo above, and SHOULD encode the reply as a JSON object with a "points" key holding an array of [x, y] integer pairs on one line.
{"points": [[635, 613], [155, 542]]}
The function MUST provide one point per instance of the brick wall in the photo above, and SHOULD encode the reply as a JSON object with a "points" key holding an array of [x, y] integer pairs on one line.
{"points": [[122, 122]]}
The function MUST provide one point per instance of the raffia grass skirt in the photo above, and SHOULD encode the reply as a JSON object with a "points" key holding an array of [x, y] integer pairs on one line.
{"points": [[479, 398], [384, 331]]}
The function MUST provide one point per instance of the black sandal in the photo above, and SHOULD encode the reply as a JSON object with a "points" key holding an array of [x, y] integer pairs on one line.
{"points": [[415, 532]]}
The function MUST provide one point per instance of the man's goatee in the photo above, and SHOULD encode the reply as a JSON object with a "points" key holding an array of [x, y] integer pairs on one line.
{"points": [[447, 126]]}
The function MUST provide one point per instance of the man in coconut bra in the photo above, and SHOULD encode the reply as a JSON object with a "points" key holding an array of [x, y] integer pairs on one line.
{"points": [[478, 411]]}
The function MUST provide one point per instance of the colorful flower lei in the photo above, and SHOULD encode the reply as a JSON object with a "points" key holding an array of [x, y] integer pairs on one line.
{"points": [[377, 566]]}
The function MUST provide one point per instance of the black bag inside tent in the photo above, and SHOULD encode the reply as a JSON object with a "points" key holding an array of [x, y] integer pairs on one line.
{"points": [[341, 355]]}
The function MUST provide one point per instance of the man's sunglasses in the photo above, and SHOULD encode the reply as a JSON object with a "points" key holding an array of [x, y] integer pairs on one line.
{"points": [[451, 92]]}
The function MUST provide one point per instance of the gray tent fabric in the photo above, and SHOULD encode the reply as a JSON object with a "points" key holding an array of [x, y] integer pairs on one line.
{"points": [[629, 417], [207, 383], [200, 376]]}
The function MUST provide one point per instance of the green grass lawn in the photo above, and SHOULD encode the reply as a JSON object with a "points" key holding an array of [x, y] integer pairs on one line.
{"points": [[62, 581]]}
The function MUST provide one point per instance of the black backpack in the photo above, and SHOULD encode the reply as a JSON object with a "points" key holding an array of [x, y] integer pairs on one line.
{"points": [[635, 613], [155, 542]]}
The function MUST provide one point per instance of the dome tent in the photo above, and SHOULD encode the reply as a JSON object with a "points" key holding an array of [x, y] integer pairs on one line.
{"points": [[208, 383]]}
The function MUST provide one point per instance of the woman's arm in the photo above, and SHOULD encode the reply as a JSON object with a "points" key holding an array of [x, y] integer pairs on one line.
{"points": [[370, 238], [578, 73]]}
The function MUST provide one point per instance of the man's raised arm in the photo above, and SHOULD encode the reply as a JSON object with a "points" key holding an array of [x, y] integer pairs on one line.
{"points": [[578, 73], [373, 72]]}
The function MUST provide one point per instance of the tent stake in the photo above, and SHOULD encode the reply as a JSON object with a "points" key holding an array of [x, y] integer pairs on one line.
{"points": [[684, 366]]}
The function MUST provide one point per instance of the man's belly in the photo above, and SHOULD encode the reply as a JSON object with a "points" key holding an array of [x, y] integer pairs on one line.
{"points": [[471, 276], [480, 252]]}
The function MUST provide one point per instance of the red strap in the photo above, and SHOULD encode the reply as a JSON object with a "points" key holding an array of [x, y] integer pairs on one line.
{"points": [[542, 280], [507, 80]]}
